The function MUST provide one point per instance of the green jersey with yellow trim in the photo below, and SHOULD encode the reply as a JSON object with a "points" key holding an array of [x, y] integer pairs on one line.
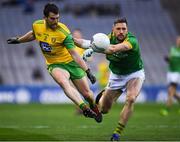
{"points": [[125, 62], [174, 59]]}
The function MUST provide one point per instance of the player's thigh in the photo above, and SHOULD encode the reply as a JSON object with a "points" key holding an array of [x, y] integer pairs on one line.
{"points": [[61, 76], [172, 89], [134, 86], [76, 72]]}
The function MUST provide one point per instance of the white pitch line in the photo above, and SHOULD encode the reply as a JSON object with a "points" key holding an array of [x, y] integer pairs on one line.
{"points": [[17, 127]]}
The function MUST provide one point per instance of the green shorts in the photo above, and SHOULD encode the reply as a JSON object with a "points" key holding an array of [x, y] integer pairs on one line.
{"points": [[73, 68]]}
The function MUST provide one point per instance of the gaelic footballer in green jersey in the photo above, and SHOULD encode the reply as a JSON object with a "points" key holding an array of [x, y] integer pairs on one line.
{"points": [[173, 76], [128, 61], [126, 73]]}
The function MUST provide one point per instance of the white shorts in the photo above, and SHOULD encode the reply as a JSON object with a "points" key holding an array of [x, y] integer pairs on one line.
{"points": [[173, 77], [119, 81]]}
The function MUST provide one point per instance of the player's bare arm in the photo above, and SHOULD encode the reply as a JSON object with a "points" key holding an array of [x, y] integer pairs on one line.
{"points": [[82, 43], [78, 41], [118, 48], [29, 36], [78, 59]]}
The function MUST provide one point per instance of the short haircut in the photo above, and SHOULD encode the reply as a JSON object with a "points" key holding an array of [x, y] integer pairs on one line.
{"points": [[120, 20], [50, 7]]}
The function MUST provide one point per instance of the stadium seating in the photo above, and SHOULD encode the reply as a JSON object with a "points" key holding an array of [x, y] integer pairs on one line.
{"points": [[147, 19]]}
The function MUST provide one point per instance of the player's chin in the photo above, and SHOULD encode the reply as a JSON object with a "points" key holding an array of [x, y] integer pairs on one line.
{"points": [[54, 26], [121, 38]]}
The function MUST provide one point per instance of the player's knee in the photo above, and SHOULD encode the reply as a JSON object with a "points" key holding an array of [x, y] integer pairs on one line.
{"points": [[131, 99], [87, 93], [63, 84]]}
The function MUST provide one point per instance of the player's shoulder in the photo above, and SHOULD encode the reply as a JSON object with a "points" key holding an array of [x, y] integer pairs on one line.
{"points": [[131, 35], [131, 39], [109, 35], [62, 25], [63, 28], [173, 47], [39, 22]]}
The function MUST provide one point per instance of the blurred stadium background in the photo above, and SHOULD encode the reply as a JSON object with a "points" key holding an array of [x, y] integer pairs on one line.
{"points": [[23, 74], [24, 78]]}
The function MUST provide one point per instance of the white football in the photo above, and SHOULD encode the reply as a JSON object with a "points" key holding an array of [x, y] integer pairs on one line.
{"points": [[101, 41]]}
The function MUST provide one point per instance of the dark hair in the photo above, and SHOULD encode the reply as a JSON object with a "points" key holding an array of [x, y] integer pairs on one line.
{"points": [[50, 7], [121, 20]]}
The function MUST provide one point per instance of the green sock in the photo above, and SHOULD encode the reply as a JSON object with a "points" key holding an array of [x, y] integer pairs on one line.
{"points": [[119, 129], [83, 106]]}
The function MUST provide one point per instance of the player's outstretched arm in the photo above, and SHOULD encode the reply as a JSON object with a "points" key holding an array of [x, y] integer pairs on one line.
{"points": [[121, 47], [82, 43], [29, 36]]}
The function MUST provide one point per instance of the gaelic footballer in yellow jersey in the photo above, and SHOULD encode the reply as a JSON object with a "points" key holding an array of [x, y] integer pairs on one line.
{"points": [[64, 63], [54, 43]]}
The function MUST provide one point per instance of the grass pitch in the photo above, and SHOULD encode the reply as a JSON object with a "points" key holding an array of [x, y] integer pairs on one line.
{"points": [[60, 123]]}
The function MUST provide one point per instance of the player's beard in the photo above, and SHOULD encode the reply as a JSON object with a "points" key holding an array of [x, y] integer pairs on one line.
{"points": [[52, 26], [121, 37]]}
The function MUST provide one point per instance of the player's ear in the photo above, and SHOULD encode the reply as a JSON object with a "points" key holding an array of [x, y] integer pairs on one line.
{"points": [[113, 29], [45, 17]]}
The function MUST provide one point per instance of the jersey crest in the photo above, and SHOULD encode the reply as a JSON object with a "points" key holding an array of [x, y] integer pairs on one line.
{"points": [[45, 47]]}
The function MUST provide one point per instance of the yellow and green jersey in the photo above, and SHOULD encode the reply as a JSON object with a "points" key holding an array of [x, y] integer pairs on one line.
{"points": [[79, 50], [54, 43], [174, 59], [125, 62]]}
